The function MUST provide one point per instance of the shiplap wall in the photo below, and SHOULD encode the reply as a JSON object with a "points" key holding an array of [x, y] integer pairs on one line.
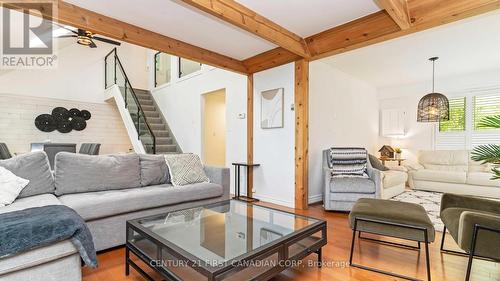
{"points": [[17, 127]]}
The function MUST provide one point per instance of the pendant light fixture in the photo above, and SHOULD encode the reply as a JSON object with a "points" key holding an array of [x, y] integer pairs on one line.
{"points": [[433, 107]]}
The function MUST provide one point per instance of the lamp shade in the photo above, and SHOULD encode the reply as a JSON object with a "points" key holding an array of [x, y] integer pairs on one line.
{"points": [[433, 107]]}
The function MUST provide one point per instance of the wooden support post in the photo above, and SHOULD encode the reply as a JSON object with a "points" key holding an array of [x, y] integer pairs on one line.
{"points": [[250, 133], [301, 133]]}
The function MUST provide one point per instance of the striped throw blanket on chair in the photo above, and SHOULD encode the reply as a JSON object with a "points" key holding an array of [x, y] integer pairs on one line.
{"points": [[348, 162]]}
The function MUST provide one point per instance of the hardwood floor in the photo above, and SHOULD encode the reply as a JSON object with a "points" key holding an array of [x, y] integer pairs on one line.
{"points": [[336, 259]]}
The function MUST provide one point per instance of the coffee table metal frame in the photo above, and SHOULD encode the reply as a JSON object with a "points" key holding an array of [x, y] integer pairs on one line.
{"points": [[279, 246]]}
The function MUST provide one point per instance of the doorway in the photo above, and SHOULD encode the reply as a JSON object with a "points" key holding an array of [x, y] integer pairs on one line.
{"points": [[214, 128]]}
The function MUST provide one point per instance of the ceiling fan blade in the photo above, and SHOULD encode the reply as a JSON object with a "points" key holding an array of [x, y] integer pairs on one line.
{"points": [[92, 45], [66, 36], [64, 27], [107, 40]]}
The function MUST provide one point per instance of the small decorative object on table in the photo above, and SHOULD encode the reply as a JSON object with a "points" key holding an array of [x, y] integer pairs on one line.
{"points": [[386, 151], [397, 153]]}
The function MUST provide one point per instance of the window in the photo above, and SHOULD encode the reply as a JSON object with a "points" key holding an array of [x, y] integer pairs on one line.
{"points": [[463, 130], [187, 67], [457, 117], [485, 106], [163, 69]]}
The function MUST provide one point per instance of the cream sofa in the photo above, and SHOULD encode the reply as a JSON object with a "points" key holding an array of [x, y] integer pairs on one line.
{"points": [[393, 182], [452, 171]]}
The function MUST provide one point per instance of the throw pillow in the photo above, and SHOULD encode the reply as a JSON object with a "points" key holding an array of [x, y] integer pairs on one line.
{"points": [[35, 167], [154, 170], [376, 163], [185, 169], [10, 186], [348, 162]]}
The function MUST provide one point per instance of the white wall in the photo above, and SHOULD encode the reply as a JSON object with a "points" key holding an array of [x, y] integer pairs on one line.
{"points": [[274, 180], [79, 75], [343, 111], [17, 124], [420, 136], [181, 103]]}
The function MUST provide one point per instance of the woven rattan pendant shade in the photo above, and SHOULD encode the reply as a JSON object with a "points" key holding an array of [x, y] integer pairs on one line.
{"points": [[433, 107]]}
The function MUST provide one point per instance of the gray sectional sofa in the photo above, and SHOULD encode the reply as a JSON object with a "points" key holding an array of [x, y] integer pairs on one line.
{"points": [[106, 191]]}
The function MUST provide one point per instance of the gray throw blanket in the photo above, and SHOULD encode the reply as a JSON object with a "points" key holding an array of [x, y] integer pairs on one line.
{"points": [[42, 226]]}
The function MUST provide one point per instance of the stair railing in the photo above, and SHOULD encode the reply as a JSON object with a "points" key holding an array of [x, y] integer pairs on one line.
{"points": [[114, 74]]}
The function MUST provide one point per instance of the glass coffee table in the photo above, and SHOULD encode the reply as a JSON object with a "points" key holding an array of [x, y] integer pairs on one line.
{"points": [[230, 240]]}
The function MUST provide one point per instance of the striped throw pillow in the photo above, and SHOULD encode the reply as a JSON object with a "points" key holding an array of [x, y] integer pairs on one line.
{"points": [[348, 162]]}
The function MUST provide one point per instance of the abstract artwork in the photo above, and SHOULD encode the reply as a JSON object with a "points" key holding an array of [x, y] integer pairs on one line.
{"points": [[271, 109]]}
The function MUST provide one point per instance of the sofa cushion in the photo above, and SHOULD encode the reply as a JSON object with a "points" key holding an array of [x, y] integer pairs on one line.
{"points": [[439, 176], [478, 166], [391, 178], [38, 256], [154, 170], [79, 173], [31, 202], [376, 163], [482, 178], [95, 205], [34, 167], [445, 160], [352, 185], [10, 186], [185, 169]]}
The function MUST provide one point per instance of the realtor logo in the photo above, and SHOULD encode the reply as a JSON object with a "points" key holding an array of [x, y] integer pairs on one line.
{"points": [[27, 34]]}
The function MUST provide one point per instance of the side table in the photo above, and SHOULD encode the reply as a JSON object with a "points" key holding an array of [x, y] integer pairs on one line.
{"points": [[237, 194], [399, 160]]}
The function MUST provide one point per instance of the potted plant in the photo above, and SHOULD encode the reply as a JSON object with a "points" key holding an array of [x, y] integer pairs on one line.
{"points": [[397, 153], [489, 153]]}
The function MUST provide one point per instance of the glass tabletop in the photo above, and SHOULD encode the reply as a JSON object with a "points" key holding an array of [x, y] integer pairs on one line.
{"points": [[221, 232]]}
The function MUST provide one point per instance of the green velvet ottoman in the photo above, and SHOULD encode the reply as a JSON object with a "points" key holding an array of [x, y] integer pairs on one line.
{"points": [[395, 219]]}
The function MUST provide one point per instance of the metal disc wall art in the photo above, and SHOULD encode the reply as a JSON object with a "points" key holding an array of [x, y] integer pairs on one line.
{"points": [[86, 114], [63, 120], [45, 123], [78, 123]]}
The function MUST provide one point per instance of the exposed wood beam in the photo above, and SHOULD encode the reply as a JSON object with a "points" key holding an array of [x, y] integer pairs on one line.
{"points": [[375, 28], [436, 12], [75, 16], [269, 59], [236, 14], [250, 133], [398, 10], [355, 34], [301, 133]]}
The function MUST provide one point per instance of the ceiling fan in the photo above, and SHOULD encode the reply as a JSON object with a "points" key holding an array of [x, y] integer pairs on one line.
{"points": [[86, 38]]}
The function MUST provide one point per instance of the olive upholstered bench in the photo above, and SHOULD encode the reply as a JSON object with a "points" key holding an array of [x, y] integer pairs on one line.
{"points": [[402, 220]]}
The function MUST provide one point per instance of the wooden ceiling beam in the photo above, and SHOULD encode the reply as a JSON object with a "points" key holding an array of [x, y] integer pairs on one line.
{"points": [[375, 28], [398, 10], [68, 14], [236, 14]]}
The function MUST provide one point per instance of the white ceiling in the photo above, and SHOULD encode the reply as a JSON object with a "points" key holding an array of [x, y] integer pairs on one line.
{"points": [[174, 19], [308, 17], [468, 46], [169, 18]]}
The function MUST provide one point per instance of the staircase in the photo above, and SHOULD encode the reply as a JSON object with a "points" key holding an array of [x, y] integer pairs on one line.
{"points": [[165, 142], [146, 126]]}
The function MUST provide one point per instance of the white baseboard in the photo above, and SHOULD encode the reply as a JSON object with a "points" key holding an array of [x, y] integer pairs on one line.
{"points": [[275, 201], [315, 198]]}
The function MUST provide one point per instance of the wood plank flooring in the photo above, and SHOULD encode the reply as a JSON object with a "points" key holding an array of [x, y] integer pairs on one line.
{"points": [[336, 257]]}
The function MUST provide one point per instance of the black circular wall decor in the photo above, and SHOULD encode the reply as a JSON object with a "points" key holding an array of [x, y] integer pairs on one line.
{"points": [[63, 120], [45, 123], [75, 112], [60, 112], [86, 114], [78, 123], [64, 126]]}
